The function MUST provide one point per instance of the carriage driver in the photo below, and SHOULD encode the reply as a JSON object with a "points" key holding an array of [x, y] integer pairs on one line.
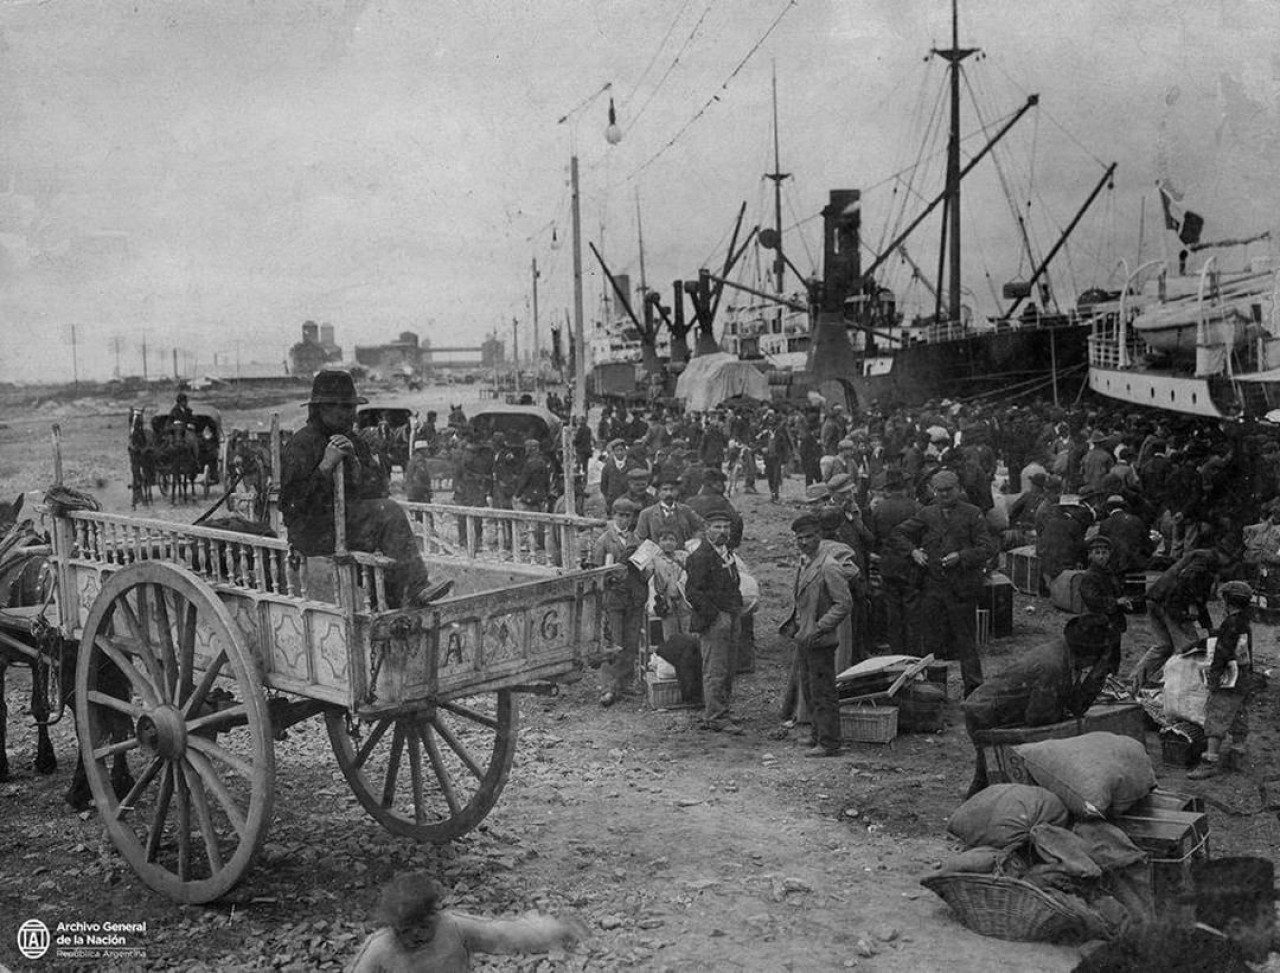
{"points": [[374, 521]]}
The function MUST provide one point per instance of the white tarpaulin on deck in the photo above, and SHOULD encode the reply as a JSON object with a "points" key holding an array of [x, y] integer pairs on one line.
{"points": [[710, 379]]}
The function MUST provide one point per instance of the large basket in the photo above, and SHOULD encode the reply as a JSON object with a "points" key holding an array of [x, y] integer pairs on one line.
{"points": [[869, 724], [1007, 908]]}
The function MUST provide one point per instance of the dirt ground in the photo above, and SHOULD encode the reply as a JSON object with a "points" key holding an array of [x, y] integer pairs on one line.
{"points": [[680, 849]]}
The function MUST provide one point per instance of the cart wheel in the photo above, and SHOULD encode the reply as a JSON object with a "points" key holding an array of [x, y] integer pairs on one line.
{"points": [[164, 683], [432, 774]]}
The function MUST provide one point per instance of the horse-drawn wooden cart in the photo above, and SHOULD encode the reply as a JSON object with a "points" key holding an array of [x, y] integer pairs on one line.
{"points": [[225, 639]]}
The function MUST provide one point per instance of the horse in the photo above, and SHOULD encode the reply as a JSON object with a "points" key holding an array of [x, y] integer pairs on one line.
{"points": [[179, 460], [142, 458], [457, 418], [26, 581]]}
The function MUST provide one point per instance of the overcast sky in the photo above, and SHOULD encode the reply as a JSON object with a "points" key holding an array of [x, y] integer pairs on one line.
{"points": [[206, 176]]}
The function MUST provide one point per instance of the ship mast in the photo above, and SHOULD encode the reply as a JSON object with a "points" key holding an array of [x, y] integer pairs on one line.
{"points": [[951, 236], [779, 261]]}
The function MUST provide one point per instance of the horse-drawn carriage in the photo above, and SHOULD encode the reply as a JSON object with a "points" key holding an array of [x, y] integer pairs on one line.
{"points": [[389, 428], [197, 647], [172, 453]]}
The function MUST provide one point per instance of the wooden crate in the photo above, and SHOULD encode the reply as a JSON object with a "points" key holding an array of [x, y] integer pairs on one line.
{"points": [[1173, 840], [1022, 565], [1161, 800]]}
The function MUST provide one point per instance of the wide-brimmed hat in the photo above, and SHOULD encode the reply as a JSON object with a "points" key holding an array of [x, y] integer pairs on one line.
{"points": [[842, 483], [817, 493], [334, 387], [1088, 635], [1238, 592]]}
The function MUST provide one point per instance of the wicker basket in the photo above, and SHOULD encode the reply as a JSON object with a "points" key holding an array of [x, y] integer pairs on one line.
{"points": [[1007, 908], [869, 724]]}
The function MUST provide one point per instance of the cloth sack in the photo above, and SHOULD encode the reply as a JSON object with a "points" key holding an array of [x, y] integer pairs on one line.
{"points": [[1093, 774], [1003, 815], [748, 585], [1065, 850], [1185, 693], [976, 861]]}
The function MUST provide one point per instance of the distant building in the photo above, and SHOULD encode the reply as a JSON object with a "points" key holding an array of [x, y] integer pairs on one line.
{"points": [[492, 352], [315, 350], [395, 357]]}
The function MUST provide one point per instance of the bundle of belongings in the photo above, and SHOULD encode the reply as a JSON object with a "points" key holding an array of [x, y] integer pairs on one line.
{"points": [[1041, 860]]}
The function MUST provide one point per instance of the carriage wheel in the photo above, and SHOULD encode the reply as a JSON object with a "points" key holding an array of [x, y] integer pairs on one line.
{"points": [[432, 774], [164, 682]]}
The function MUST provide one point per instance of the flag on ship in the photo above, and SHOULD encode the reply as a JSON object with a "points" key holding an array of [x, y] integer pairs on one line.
{"points": [[1187, 224]]}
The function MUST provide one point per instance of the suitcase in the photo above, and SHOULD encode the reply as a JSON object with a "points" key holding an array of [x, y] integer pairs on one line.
{"points": [[997, 598], [1064, 591]]}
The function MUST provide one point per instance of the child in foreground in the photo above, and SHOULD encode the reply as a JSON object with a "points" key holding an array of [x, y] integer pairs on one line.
{"points": [[416, 934]]}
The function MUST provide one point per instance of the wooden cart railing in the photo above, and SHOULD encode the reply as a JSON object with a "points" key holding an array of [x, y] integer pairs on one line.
{"points": [[511, 536]]}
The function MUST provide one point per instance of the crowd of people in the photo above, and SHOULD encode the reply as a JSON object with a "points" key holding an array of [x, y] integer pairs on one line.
{"points": [[906, 504], [903, 521]]}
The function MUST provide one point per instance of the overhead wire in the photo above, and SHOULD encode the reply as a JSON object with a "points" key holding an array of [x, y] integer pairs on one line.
{"points": [[674, 61], [657, 51], [715, 97]]}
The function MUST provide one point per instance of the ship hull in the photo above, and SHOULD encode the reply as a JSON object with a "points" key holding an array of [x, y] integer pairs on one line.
{"points": [[1019, 362], [1253, 396]]}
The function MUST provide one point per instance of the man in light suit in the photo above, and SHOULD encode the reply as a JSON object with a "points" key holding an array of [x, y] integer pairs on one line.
{"points": [[950, 540], [822, 602]]}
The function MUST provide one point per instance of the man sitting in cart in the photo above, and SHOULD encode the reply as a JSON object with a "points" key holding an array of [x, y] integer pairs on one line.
{"points": [[374, 521]]}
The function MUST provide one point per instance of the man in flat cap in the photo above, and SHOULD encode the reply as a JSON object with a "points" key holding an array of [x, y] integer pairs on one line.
{"points": [[822, 601], [613, 475], [950, 541], [669, 514], [1101, 594], [623, 603], [1235, 926], [638, 490], [1230, 678], [712, 590], [711, 499], [374, 522]]}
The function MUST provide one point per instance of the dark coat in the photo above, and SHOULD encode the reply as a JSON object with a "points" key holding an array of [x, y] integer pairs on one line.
{"points": [[1098, 592], [1131, 544], [710, 588], [937, 532], [885, 516], [306, 494], [1036, 689], [613, 481]]}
